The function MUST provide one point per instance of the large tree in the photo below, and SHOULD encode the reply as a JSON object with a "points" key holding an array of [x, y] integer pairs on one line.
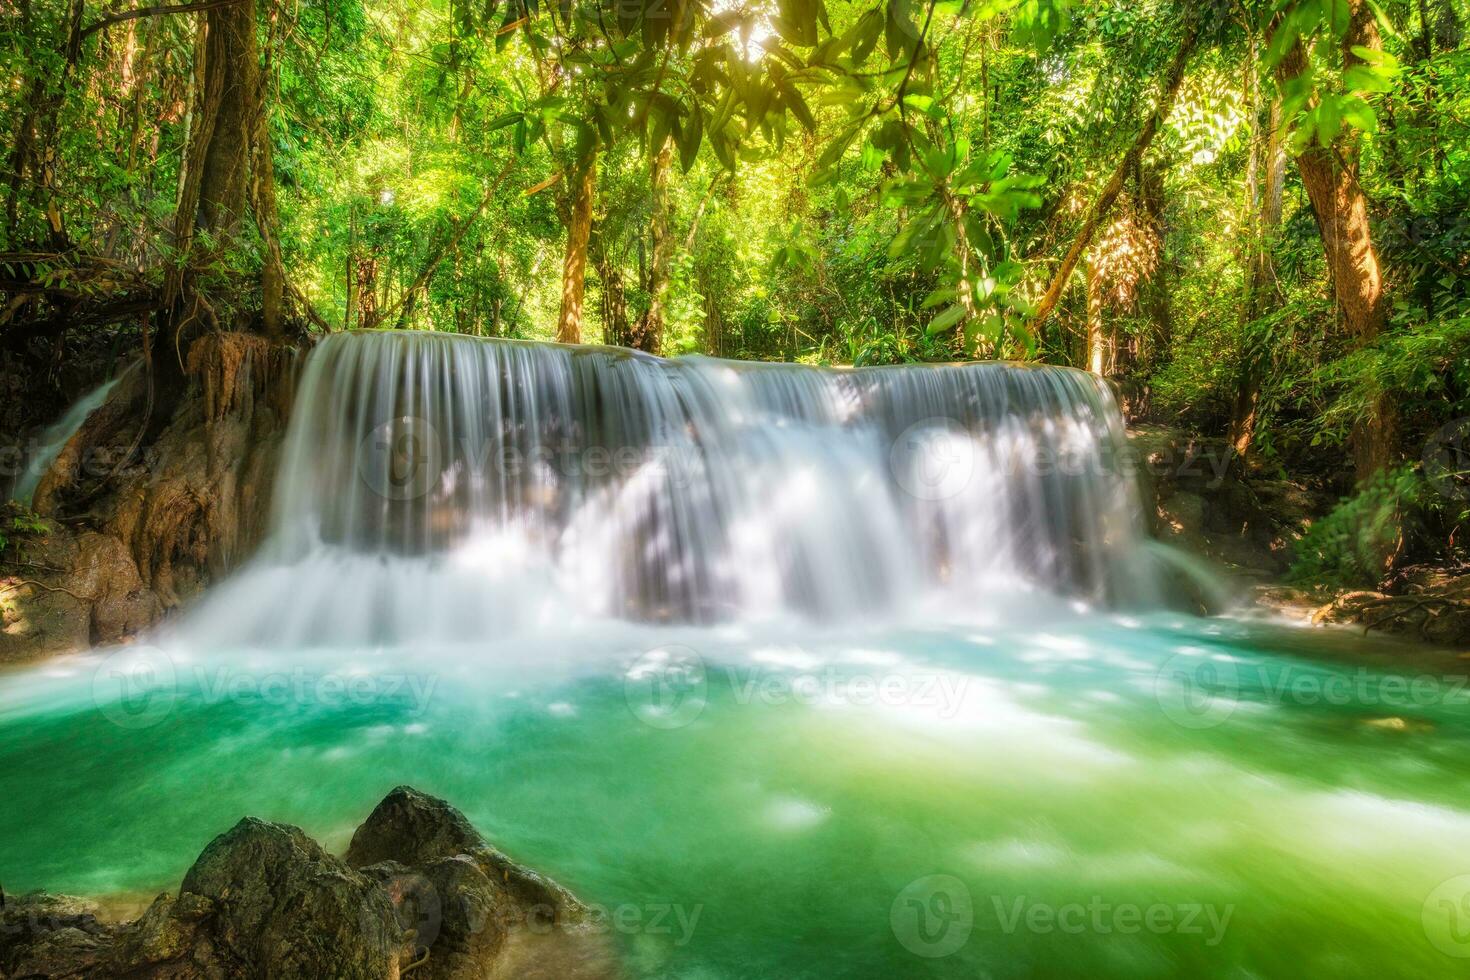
{"points": [[1327, 157]]}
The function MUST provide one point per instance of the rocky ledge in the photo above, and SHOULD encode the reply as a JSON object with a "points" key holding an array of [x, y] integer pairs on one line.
{"points": [[419, 891]]}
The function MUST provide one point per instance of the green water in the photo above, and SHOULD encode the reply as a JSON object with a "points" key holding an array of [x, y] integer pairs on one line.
{"points": [[1087, 796]]}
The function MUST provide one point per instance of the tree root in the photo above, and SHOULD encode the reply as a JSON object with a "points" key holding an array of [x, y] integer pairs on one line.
{"points": [[18, 584], [1384, 612]]}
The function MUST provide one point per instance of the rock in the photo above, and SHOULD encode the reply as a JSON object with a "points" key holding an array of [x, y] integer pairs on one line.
{"points": [[283, 907], [416, 829], [450, 912], [122, 606], [37, 622], [412, 828], [166, 932], [40, 614], [45, 935], [1422, 602], [469, 930], [1208, 503], [264, 900], [196, 506], [63, 591]]}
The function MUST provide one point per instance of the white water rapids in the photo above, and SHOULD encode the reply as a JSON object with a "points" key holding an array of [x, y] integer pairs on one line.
{"points": [[443, 488]]}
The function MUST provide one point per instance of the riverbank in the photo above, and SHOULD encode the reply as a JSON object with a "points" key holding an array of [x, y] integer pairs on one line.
{"points": [[1248, 527]]}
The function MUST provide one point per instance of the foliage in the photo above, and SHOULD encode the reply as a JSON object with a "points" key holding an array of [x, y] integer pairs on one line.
{"points": [[848, 182], [1355, 544]]}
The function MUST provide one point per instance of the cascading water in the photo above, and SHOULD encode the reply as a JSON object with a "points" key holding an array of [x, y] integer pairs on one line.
{"points": [[737, 652], [52, 439], [443, 487]]}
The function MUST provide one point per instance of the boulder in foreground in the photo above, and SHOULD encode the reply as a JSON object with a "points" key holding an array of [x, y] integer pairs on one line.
{"points": [[419, 890]]}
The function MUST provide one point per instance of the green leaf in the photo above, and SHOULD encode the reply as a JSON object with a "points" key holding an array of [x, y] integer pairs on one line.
{"points": [[1283, 38], [1329, 121], [690, 135], [797, 22], [944, 294], [1362, 79], [921, 224], [1036, 23], [798, 107], [838, 147], [1378, 58], [946, 320], [720, 143], [866, 33], [900, 33], [662, 121], [1359, 114]]}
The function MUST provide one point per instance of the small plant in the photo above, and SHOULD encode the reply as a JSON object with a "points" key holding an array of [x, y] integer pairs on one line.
{"points": [[28, 523], [1357, 543], [19, 520]]}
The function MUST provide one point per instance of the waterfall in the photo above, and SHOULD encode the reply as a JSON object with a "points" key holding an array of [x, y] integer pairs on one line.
{"points": [[445, 487], [53, 439]]}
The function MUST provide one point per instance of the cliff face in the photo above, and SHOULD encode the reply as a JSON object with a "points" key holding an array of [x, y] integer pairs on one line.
{"points": [[1201, 502], [164, 489]]}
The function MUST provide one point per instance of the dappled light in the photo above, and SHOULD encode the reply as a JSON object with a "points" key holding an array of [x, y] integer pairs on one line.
{"points": [[734, 489]]}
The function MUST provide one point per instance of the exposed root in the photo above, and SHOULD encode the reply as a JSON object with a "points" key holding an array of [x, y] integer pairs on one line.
{"points": [[1434, 607], [17, 584]]}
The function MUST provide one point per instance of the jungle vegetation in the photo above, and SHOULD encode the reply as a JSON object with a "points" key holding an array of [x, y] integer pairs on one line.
{"points": [[1252, 215]]}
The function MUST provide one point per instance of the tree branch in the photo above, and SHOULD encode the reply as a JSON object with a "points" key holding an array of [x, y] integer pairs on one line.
{"points": [[158, 11], [404, 307], [1114, 186]]}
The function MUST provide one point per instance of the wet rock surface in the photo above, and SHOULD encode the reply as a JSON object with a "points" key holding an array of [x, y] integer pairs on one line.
{"points": [[412, 828], [1200, 501], [51, 936], [265, 900], [156, 496]]}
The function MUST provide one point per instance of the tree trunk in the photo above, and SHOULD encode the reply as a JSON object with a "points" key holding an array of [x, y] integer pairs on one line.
{"points": [[648, 335], [1261, 293], [263, 203], [616, 329], [1330, 177], [367, 290], [1114, 186], [349, 315], [231, 67], [205, 98], [1156, 290], [273, 268], [1097, 357], [574, 268]]}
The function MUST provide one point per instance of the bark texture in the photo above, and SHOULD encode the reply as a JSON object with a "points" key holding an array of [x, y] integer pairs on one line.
{"points": [[649, 331], [1330, 176], [574, 267]]}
